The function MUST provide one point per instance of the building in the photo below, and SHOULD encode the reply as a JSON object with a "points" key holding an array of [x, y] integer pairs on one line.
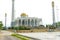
{"points": [[24, 20]]}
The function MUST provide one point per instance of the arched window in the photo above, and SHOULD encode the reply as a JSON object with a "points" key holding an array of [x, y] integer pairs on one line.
{"points": [[35, 22], [28, 21], [32, 22], [19, 21], [22, 22]]}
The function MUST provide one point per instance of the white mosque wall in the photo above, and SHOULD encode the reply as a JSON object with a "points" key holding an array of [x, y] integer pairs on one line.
{"points": [[32, 21]]}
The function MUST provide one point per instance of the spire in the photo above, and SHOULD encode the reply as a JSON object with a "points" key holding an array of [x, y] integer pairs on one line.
{"points": [[12, 12], [53, 12], [52, 3], [5, 19]]}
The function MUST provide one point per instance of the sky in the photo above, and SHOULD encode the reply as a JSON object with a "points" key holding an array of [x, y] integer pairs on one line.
{"points": [[34, 8]]}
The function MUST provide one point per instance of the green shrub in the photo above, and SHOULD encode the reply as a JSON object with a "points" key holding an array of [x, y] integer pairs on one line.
{"points": [[20, 28]]}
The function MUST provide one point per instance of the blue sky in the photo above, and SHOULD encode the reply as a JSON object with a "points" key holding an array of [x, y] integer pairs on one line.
{"points": [[34, 8]]}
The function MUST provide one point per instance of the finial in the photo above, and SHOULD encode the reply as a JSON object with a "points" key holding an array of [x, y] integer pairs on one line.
{"points": [[52, 3]]}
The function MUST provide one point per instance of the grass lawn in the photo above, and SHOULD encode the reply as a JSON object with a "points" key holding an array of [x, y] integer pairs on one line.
{"points": [[20, 36]]}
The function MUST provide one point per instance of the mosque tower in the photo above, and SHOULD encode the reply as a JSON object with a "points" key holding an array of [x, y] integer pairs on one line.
{"points": [[12, 12], [53, 14]]}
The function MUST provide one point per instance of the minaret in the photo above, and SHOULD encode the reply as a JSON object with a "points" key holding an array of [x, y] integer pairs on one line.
{"points": [[53, 14], [12, 12], [5, 19]]}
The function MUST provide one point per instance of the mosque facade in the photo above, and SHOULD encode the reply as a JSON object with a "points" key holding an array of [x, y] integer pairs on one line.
{"points": [[24, 20]]}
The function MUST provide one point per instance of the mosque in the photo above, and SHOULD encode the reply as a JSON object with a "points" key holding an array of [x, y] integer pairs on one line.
{"points": [[25, 20]]}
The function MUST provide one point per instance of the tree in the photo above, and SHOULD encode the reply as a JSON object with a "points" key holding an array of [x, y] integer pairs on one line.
{"points": [[58, 24], [1, 25], [50, 26]]}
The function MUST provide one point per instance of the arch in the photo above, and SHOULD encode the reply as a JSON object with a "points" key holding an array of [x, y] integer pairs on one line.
{"points": [[22, 22], [32, 22], [19, 21], [35, 21], [28, 21]]}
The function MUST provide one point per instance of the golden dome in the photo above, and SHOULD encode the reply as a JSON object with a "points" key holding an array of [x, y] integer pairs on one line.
{"points": [[24, 14]]}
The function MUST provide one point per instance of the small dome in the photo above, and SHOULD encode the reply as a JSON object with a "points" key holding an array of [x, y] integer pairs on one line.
{"points": [[24, 14]]}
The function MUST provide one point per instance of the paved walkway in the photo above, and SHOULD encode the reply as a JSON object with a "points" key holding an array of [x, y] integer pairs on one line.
{"points": [[43, 35], [9, 38], [5, 35]]}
